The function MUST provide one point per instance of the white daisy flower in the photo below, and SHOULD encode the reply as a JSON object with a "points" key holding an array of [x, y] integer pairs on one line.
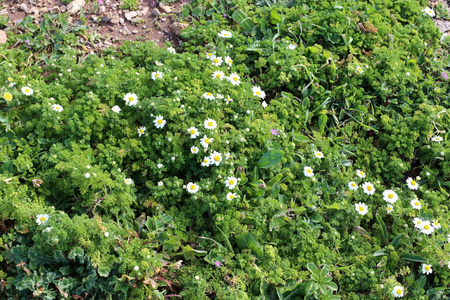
{"points": [[426, 269], [159, 166], [352, 186], [87, 175], [218, 75], [57, 107], [368, 188], [128, 181], [234, 79], [359, 70], [264, 104], [159, 122], [116, 109], [390, 196], [157, 75], [426, 228], [361, 208], [227, 155], [158, 63], [308, 171], [192, 188], [397, 291], [27, 91], [436, 224], [437, 139], [205, 141], [418, 223], [219, 96], [216, 61], [412, 184], [228, 100], [415, 203], [210, 124], [215, 158], [160, 183], [318, 154], [208, 96], [130, 99], [225, 34], [194, 149], [193, 132], [231, 196], [141, 130], [228, 60], [389, 208], [360, 174], [171, 50], [429, 11], [231, 182], [292, 46], [210, 55], [41, 219], [258, 92], [206, 161]]}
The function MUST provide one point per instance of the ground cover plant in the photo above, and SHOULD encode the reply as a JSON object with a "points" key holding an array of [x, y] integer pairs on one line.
{"points": [[286, 151]]}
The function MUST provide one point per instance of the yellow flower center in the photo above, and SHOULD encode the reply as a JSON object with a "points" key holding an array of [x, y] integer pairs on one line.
{"points": [[258, 93], [160, 121], [308, 171], [217, 158], [390, 196], [231, 182], [216, 60], [43, 219], [207, 141], [418, 222], [131, 99], [27, 90], [218, 75], [427, 268], [209, 94], [426, 227], [192, 187], [235, 79], [210, 123], [399, 291], [353, 184], [389, 208], [361, 208], [10, 79], [361, 173], [416, 203], [413, 182], [156, 75], [369, 188], [192, 131]]}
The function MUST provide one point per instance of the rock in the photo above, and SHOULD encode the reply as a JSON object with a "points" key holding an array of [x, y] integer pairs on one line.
{"points": [[94, 18], [34, 11], [105, 19], [443, 25], [156, 12], [3, 37], [135, 32], [121, 21], [3, 12], [55, 10], [115, 19], [144, 11], [63, 8], [101, 9], [129, 16], [177, 27], [24, 7], [43, 10], [167, 9], [75, 6]]}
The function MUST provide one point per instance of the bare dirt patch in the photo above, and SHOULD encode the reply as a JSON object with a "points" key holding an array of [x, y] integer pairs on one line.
{"points": [[152, 21]]}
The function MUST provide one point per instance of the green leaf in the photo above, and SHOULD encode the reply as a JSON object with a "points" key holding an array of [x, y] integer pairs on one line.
{"points": [[243, 21], [77, 251], [380, 252], [103, 271], [322, 123], [383, 228], [363, 232], [312, 268], [271, 158], [396, 241], [301, 138], [274, 17], [246, 241], [333, 206], [413, 257]]}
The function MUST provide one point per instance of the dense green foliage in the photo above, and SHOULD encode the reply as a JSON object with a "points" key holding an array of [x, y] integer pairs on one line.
{"points": [[318, 116]]}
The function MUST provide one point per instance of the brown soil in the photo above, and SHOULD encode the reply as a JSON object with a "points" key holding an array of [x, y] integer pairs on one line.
{"points": [[106, 19]]}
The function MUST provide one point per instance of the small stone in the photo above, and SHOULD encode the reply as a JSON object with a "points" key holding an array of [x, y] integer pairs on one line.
{"points": [[24, 7], [156, 12], [55, 10], [94, 18], [63, 8], [3, 12], [101, 9], [75, 6], [3, 37], [167, 9], [105, 19], [115, 19], [135, 32], [177, 27], [121, 21], [144, 11], [163, 19], [129, 16]]}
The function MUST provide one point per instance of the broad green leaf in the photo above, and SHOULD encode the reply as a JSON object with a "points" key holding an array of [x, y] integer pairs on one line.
{"points": [[333, 206], [383, 229], [363, 232], [312, 268], [103, 271], [322, 123], [301, 138], [244, 22], [246, 241], [271, 158], [413, 257], [396, 241], [380, 252], [77, 251]]}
